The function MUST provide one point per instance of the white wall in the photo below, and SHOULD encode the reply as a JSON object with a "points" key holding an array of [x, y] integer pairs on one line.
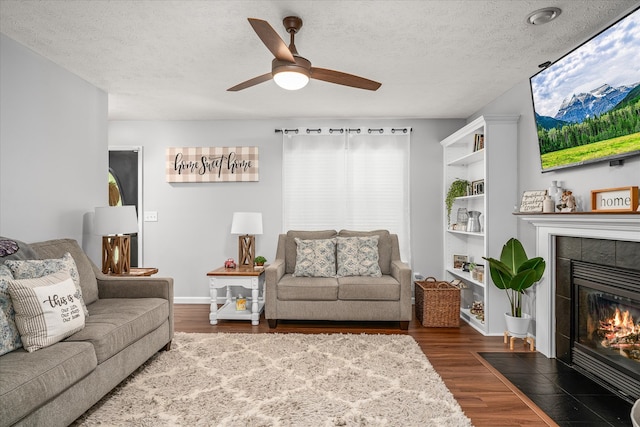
{"points": [[192, 235], [580, 180], [53, 148]]}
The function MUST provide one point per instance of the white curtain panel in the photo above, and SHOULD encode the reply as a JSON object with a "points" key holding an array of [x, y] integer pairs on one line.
{"points": [[347, 179]]}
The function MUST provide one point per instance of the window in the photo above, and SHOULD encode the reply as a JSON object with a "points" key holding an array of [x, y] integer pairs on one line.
{"points": [[347, 180]]}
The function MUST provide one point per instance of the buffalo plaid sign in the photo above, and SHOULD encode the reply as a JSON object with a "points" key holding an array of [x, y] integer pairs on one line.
{"points": [[212, 164]]}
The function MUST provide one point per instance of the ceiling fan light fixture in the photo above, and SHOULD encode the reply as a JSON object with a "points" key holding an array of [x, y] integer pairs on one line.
{"points": [[543, 16], [291, 80]]}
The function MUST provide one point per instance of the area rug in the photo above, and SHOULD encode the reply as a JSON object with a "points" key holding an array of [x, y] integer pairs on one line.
{"points": [[227, 379]]}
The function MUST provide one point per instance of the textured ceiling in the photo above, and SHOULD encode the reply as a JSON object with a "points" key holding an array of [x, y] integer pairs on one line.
{"points": [[174, 60]]}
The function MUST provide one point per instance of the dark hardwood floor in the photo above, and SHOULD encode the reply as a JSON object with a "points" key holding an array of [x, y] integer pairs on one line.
{"points": [[485, 396]]}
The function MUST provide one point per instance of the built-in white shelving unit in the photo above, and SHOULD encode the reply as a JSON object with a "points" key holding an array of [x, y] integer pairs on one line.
{"points": [[494, 162]]}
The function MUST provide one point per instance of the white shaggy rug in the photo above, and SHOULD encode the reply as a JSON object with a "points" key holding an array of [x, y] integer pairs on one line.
{"points": [[305, 380]]}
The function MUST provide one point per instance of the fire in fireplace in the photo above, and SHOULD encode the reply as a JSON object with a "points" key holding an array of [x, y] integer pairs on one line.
{"points": [[606, 338], [620, 333]]}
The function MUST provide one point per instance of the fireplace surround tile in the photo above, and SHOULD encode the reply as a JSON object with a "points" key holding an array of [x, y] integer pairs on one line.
{"points": [[599, 251], [569, 247], [563, 277], [627, 254], [613, 253]]}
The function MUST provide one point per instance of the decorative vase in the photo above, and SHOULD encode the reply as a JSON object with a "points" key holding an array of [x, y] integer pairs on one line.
{"points": [[555, 192], [473, 224], [517, 326], [548, 205]]}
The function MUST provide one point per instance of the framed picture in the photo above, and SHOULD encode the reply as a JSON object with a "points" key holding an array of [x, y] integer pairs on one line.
{"points": [[477, 187], [459, 261], [622, 199]]}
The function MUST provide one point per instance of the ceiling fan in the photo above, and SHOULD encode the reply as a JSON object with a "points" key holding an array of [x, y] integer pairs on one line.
{"points": [[289, 69]]}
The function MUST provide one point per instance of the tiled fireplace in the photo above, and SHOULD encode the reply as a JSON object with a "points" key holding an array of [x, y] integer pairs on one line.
{"points": [[597, 310], [588, 257]]}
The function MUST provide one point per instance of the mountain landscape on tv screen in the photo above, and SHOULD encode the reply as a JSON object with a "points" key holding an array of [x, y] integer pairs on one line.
{"points": [[578, 107]]}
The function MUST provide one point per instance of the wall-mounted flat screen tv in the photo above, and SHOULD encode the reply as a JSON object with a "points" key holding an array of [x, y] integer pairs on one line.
{"points": [[587, 103]]}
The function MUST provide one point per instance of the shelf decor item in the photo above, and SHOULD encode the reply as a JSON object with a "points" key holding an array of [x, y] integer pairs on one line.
{"points": [[260, 260], [437, 304], [514, 272], [473, 225], [622, 199], [241, 303], [459, 261], [458, 188], [533, 201], [555, 192]]}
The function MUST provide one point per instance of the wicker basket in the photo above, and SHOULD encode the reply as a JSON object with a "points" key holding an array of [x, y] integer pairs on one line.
{"points": [[437, 304]]}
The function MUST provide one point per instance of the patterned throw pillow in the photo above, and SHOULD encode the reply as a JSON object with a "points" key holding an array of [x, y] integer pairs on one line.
{"points": [[358, 256], [34, 268], [9, 335], [315, 258], [47, 309]]}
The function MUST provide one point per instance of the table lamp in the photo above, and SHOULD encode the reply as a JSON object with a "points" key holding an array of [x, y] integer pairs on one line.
{"points": [[246, 224], [114, 224]]}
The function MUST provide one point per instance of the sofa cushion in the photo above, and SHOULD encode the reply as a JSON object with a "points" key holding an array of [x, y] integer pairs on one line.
{"points": [[357, 256], [47, 309], [384, 288], [315, 258], [32, 268], [291, 249], [29, 380], [9, 335], [291, 288], [57, 248], [384, 246], [115, 323]]}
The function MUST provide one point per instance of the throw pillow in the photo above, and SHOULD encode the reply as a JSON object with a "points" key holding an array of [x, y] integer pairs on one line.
{"points": [[358, 256], [34, 268], [9, 335], [47, 309], [15, 249], [315, 258]]}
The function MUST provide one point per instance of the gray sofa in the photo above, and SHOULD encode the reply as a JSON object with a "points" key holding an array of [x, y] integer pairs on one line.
{"points": [[130, 319], [351, 298]]}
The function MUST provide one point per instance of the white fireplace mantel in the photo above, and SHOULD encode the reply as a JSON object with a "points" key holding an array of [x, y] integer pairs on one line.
{"points": [[590, 225]]}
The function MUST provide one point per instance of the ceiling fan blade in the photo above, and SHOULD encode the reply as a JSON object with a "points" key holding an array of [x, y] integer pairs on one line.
{"points": [[344, 79], [272, 40], [251, 82]]}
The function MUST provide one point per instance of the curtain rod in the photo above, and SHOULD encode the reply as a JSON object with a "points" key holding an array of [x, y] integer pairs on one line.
{"points": [[342, 130]]}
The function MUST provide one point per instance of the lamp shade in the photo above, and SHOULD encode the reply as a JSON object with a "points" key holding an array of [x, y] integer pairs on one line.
{"points": [[291, 80], [246, 223], [115, 220]]}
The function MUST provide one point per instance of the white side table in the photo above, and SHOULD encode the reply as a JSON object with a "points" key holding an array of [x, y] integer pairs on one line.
{"points": [[249, 278]]}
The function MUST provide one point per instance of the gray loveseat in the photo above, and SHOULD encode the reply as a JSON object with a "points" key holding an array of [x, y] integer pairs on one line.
{"points": [[130, 319], [350, 298]]}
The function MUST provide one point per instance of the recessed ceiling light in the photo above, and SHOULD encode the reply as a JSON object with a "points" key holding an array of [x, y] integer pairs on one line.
{"points": [[542, 16]]}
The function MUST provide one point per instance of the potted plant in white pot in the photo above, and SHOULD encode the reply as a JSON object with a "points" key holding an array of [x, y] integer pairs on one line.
{"points": [[515, 273]]}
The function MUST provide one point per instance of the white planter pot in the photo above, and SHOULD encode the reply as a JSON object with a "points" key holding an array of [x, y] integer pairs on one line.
{"points": [[517, 326]]}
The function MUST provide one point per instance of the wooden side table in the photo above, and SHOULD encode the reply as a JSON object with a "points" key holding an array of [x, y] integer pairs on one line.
{"points": [[138, 272], [249, 278]]}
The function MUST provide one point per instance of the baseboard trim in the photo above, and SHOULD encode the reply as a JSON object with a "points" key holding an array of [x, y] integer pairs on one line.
{"points": [[195, 300]]}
